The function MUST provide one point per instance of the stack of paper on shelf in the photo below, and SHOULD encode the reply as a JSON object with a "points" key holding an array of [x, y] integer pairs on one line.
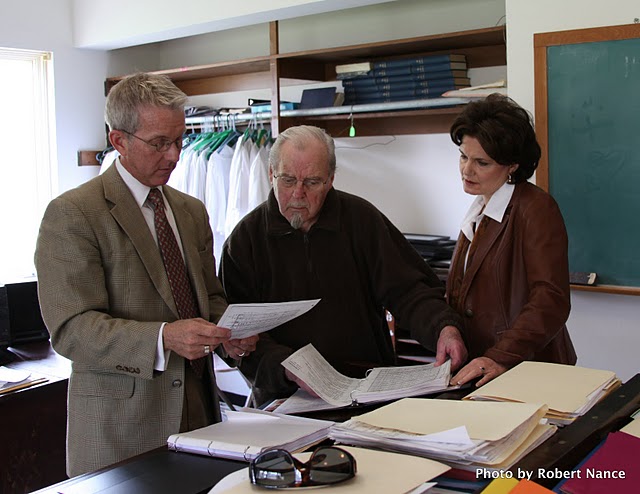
{"points": [[381, 383], [464, 434], [245, 434], [379, 472], [349, 70], [569, 391], [480, 91]]}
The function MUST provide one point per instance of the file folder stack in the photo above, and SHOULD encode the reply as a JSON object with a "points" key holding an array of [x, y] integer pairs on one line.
{"points": [[464, 434], [569, 391]]}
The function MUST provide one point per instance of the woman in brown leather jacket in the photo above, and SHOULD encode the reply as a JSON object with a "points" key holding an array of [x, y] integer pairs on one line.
{"points": [[509, 276]]}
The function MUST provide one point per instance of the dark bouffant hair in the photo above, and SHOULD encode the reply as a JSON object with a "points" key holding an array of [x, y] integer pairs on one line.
{"points": [[504, 130]]}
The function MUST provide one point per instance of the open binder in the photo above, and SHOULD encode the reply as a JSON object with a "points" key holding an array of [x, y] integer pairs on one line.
{"points": [[246, 433]]}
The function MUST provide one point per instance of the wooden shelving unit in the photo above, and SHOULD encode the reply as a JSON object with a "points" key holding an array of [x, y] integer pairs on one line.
{"points": [[482, 47]]}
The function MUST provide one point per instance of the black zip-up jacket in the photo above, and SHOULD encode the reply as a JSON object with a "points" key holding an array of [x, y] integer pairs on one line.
{"points": [[353, 259]]}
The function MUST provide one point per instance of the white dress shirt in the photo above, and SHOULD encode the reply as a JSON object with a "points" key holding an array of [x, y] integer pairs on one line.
{"points": [[494, 209]]}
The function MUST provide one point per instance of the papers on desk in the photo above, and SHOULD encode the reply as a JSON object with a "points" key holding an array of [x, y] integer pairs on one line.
{"points": [[379, 472], [246, 320], [464, 434], [569, 391], [299, 402], [14, 379], [245, 434], [381, 383]]}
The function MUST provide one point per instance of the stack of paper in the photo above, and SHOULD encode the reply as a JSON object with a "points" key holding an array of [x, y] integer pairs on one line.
{"points": [[299, 402], [569, 391], [245, 434], [14, 379], [464, 434], [481, 91], [378, 472], [381, 383]]}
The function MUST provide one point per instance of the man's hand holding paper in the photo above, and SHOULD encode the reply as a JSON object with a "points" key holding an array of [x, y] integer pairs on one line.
{"points": [[247, 321]]}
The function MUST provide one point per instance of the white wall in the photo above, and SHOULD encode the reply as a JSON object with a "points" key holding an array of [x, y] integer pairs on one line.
{"points": [[385, 21], [146, 21], [79, 79], [604, 327]]}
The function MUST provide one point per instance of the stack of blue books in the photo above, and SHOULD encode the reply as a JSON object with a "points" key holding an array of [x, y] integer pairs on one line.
{"points": [[404, 79]]}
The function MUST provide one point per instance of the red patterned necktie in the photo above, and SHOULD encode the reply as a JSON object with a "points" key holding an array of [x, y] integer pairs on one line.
{"points": [[175, 267]]}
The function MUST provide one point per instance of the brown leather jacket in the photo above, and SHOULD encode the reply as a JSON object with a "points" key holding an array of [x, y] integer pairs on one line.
{"points": [[515, 295]]}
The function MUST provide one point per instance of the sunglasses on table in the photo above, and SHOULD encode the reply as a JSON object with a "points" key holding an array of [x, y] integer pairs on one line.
{"points": [[278, 469]]}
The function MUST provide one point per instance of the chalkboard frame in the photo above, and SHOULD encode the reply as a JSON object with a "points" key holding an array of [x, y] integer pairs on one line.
{"points": [[541, 43]]}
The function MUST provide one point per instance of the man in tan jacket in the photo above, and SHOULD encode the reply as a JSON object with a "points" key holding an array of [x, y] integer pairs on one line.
{"points": [[138, 372]]}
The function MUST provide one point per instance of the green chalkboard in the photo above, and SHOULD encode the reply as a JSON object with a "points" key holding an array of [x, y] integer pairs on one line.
{"points": [[593, 152]]}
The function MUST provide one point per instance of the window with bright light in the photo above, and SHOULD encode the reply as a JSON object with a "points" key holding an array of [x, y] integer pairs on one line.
{"points": [[27, 160]]}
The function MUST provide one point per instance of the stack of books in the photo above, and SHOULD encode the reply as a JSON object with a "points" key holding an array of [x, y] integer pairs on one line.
{"points": [[569, 391], [402, 79], [466, 435]]}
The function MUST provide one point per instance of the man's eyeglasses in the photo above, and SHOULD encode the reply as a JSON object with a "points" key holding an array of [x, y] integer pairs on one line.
{"points": [[288, 182], [161, 145], [277, 469]]}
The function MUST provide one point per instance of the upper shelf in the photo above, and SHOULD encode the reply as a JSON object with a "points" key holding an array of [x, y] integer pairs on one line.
{"points": [[483, 48]]}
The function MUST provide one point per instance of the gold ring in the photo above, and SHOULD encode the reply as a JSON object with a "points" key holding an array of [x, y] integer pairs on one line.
{"points": [[207, 349]]}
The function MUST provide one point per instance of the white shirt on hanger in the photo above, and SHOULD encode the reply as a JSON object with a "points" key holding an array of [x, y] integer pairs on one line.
{"points": [[197, 175], [237, 206], [217, 194], [259, 185]]}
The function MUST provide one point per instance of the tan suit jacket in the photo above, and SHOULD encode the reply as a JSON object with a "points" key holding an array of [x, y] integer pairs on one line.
{"points": [[104, 293]]}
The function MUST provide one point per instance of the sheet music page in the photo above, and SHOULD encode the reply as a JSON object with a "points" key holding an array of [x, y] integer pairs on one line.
{"points": [[246, 320], [308, 365]]}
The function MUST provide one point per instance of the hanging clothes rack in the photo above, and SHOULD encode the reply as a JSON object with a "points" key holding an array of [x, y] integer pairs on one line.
{"points": [[334, 110]]}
